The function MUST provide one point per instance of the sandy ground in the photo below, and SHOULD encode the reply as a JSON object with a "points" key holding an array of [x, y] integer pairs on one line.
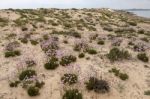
{"points": [[133, 88]]}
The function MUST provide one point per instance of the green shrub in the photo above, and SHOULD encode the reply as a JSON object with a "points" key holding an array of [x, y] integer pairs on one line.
{"points": [[75, 34], [24, 40], [12, 53], [45, 37], [101, 42], [141, 31], [145, 39], [52, 64], [65, 41], [24, 28], [66, 60], [27, 74], [108, 28], [92, 51], [72, 94], [99, 86], [123, 76], [34, 42], [39, 84], [33, 91], [132, 23], [147, 92], [143, 57], [117, 73], [14, 84], [69, 79], [81, 55], [115, 54]]}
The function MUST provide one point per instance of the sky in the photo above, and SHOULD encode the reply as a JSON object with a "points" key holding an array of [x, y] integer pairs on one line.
{"points": [[115, 4]]}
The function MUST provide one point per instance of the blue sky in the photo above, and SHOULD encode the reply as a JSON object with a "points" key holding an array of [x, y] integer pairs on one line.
{"points": [[116, 4]]}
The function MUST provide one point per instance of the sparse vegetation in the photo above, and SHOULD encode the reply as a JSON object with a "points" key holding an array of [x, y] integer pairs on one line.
{"points": [[12, 53], [69, 79], [26, 74], [116, 54], [143, 57], [122, 76], [66, 60], [81, 55], [92, 51], [52, 64], [33, 91], [99, 86], [72, 94]]}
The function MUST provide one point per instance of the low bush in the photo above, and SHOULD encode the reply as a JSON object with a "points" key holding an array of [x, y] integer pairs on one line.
{"points": [[12, 53], [99, 86], [101, 42], [132, 23], [147, 92], [143, 57], [145, 39], [27, 74], [115, 54], [69, 79], [92, 51], [52, 64], [123, 76], [72, 94], [33, 91], [39, 84], [14, 84], [117, 73], [34, 42], [108, 28], [81, 55], [24, 40], [66, 60]]}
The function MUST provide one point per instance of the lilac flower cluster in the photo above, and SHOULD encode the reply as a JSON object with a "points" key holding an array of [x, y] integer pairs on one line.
{"points": [[50, 46]]}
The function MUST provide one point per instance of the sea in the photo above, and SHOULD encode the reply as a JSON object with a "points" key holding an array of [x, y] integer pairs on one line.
{"points": [[142, 13]]}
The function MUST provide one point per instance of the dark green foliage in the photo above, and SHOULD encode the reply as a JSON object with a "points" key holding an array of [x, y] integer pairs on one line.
{"points": [[27, 74], [117, 73], [24, 28], [33, 91], [24, 40], [72, 94], [34, 42], [99, 86], [115, 54], [147, 92], [14, 84], [92, 51], [101, 42], [141, 31], [69, 33], [145, 39], [132, 23], [45, 37], [65, 41], [69, 79], [12, 53], [39, 84], [81, 55], [66, 60], [52, 64], [123, 76], [143, 57], [108, 28]]}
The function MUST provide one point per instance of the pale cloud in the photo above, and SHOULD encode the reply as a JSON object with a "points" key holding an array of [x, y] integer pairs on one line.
{"points": [[121, 4]]}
